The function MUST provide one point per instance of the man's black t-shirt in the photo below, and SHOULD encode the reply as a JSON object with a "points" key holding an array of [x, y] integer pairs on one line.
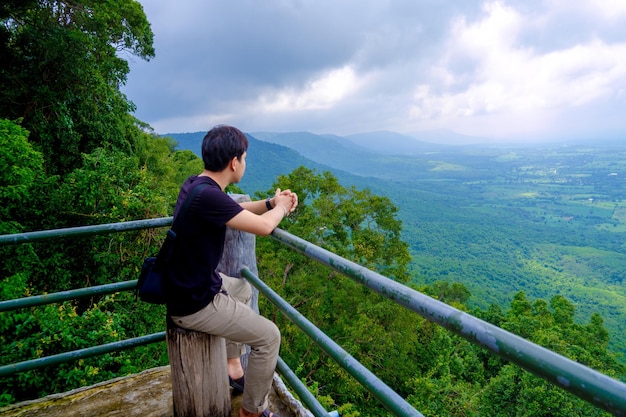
{"points": [[193, 279]]}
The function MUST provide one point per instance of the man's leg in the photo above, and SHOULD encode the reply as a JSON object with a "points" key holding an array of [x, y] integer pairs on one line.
{"points": [[240, 290], [235, 321]]}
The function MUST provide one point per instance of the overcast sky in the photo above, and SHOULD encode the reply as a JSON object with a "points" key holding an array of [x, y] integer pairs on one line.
{"points": [[508, 70]]}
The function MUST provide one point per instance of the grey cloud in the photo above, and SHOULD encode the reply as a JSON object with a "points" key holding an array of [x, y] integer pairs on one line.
{"points": [[219, 57]]}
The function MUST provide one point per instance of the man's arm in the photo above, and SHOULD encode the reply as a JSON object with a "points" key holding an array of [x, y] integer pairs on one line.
{"points": [[260, 206], [258, 224], [257, 219], [257, 207]]}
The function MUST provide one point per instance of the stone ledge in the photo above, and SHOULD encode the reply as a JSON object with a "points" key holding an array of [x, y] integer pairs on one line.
{"points": [[148, 393]]}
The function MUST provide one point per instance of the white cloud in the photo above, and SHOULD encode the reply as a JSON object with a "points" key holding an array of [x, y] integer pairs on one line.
{"points": [[322, 93], [494, 33], [487, 69]]}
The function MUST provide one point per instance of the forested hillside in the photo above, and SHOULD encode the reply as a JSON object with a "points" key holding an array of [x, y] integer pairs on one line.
{"points": [[546, 220], [73, 155]]}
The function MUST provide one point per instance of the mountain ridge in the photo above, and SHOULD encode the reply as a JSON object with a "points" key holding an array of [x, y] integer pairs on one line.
{"points": [[266, 161]]}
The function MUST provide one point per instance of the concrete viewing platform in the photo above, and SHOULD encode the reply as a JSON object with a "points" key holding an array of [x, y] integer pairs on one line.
{"points": [[148, 393]]}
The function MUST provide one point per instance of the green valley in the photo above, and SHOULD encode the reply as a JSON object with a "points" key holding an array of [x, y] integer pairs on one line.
{"points": [[545, 219]]}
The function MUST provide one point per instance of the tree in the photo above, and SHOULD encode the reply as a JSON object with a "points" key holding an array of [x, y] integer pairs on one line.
{"points": [[20, 167], [61, 72], [108, 187], [361, 227], [516, 392], [352, 223]]}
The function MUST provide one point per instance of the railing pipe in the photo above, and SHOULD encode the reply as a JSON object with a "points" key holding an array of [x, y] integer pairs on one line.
{"points": [[28, 237], [24, 366], [584, 382], [388, 397], [61, 296], [305, 395]]}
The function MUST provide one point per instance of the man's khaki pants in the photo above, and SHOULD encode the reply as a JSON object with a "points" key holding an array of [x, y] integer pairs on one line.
{"points": [[230, 316]]}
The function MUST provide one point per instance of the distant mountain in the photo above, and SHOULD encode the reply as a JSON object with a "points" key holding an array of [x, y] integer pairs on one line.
{"points": [[191, 141], [379, 142], [448, 137], [329, 150], [266, 161], [384, 155], [391, 143]]}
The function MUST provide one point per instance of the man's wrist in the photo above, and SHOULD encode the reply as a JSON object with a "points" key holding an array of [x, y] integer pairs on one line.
{"points": [[268, 203], [285, 211]]}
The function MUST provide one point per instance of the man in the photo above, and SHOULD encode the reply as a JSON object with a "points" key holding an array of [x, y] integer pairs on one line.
{"points": [[203, 299]]}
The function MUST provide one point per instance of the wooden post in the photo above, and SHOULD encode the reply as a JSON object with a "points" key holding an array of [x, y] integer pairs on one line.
{"points": [[199, 373], [240, 251], [198, 360]]}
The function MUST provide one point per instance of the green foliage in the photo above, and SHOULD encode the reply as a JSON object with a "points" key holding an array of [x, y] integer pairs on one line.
{"points": [[55, 329], [19, 163], [77, 157], [515, 392], [109, 187], [20, 167], [352, 223], [61, 72]]}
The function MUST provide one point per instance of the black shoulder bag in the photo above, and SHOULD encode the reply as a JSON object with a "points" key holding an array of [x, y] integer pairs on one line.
{"points": [[151, 285]]}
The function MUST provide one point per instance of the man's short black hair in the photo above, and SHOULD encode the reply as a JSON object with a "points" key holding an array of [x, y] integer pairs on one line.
{"points": [[220, 145]]}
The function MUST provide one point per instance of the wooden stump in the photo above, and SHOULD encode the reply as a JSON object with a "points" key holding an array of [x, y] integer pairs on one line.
{"points": [[199, 373]]}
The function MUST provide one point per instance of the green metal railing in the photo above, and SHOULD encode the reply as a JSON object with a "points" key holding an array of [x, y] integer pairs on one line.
{"points": [[592, 386], [100, 229], [59, 297], [584, 382], [307, 398], [388, 397], [39, 363], [305, 395]]}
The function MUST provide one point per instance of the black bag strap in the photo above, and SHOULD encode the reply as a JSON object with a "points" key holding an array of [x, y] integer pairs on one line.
{"points": [[183, 210], [167, 246]]}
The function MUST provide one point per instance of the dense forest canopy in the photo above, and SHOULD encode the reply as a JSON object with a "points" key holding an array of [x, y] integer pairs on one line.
{"points": [[73, 155], [61, 72]]}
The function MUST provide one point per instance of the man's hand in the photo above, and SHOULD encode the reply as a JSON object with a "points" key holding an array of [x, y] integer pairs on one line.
{"points": [[287, 199]]}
